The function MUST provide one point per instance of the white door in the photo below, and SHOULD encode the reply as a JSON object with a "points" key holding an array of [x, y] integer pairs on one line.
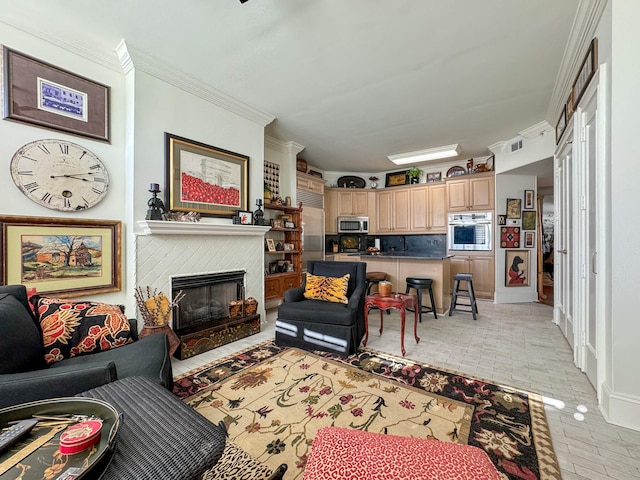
{"points": [[563, 278], [588, 325]]}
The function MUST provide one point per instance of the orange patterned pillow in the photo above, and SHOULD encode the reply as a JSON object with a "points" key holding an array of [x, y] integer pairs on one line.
{"points": [[329, 289], [70, 328]]}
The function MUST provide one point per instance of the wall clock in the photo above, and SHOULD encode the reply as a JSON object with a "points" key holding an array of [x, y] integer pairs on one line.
{"points": [[60, 175]]}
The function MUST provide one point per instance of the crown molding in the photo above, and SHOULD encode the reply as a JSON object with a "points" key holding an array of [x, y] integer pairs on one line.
{"points": [[497, 147], [583, 30], [541, 128], [291, 148], [173, 76], [107, 60]]}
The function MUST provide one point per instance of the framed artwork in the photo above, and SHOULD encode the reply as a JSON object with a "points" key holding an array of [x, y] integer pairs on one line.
{"points": [[502, 219], [586, 72], [41, 94], [61, 256], [271, 245], [289, 225], [529, 199], [514, 207], [395, 179], [529, 239], [529, 220], [276, 223], [246, 218], [509, 237], [434, 177], [516, 264], [561, 124], [205, 179], [286, 218]]}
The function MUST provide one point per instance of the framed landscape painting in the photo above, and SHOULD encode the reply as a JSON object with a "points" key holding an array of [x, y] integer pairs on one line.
{"points": [[61, 256]]}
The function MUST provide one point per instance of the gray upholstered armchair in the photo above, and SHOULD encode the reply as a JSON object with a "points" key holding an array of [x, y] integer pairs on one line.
{"points": [[322, 325]]}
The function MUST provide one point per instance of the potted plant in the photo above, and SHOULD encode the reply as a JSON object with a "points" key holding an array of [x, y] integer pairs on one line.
{"points": [[414, 174]]}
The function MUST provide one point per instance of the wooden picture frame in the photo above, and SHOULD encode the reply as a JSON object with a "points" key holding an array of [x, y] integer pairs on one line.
{"points": [[529, 199], [529, 239], [561, 124], [246, 218], [290, 225], [517, 268], [502, 219], [514, 207], [434, 177], [61, 256], [529, 220], [276, 223], [41, 94], [205, 179], [587, 71], [395, 179], [271, 244]]}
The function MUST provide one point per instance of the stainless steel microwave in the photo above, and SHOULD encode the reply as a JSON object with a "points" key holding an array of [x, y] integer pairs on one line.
{"points": [[353, 224], [470, 231]]}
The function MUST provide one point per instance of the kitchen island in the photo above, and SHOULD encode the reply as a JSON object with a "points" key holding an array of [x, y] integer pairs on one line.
{"points": [[400, 265]]}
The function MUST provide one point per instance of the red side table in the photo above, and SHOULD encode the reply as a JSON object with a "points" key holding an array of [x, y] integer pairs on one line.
{"points": [[398, 301]]}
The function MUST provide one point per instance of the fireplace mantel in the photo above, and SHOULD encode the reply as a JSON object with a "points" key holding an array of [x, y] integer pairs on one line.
{"points": [[159, 227]]}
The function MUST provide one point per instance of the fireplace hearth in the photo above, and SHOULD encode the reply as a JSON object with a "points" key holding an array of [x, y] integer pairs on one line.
{"points": [[201, 320]]}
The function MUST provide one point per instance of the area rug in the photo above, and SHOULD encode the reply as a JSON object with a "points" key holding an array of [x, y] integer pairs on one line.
{"points": [[273, 400]]}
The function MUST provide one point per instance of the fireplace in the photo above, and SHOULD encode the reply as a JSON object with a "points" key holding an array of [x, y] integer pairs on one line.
{"points": [[201, 320]]}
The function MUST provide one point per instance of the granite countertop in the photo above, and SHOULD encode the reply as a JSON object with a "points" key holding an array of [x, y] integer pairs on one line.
{"points": [[413, 255]]}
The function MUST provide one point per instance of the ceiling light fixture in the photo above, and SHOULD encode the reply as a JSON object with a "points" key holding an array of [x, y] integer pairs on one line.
{"points": [[426, 155]]}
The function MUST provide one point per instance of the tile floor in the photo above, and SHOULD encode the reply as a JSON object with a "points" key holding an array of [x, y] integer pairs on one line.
{"points": [[515, 345]]}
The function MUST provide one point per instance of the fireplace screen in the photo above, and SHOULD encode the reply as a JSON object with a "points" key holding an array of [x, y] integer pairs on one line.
{"points": [[206, 299]]}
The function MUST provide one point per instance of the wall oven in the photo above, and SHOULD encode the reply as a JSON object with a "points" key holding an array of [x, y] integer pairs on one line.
{"points": [[353, 224], [470, 231]]}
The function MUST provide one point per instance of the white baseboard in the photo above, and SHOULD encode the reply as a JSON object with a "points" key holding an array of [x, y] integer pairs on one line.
{"points": [[619, 409]]}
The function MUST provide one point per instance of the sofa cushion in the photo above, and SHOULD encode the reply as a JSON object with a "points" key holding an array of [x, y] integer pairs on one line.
{"points": [[327, 289], [318, 311], [20, 341], [70, 329]]}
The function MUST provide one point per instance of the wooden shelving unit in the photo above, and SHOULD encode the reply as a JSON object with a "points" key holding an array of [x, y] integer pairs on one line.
{"points": [[276, 282]]}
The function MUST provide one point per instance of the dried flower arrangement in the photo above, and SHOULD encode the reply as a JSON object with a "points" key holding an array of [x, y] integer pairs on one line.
{"points": [[155, 307]]}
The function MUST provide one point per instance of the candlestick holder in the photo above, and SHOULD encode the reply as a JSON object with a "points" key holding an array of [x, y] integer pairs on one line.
{"points": [[258, 215], [156, 206]]}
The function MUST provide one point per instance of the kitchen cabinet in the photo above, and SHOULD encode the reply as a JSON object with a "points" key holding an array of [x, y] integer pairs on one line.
{"points": [[428, 209], [471, 192], [330, 211], [393, 210], [352, 202], [276, 282], [482, 268], [309, 183]]}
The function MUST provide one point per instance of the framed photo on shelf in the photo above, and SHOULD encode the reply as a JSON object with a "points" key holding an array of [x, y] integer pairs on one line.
{"points": [[529, 220], [396, 179], [514, 207], [529, 239], [516, 268], [286, 218], [245, 217], [289, 225], [276, 223], [47, 96], [205, 179], [529, 200], [434, 177], [271, 245], [65, 257]]}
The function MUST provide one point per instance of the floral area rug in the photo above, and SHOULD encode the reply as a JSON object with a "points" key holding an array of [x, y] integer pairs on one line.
{"points": [[274, 399]]}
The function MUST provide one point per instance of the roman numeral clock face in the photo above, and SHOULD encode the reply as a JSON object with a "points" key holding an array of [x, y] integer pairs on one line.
{"points": [[59, 175]]}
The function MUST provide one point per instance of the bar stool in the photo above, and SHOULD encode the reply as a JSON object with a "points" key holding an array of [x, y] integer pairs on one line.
{"points": [[422, 283], [374, 278], [458, 292]]}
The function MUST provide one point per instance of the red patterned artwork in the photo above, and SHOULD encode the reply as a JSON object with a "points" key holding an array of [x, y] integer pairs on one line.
{"points": [[509, 237]]}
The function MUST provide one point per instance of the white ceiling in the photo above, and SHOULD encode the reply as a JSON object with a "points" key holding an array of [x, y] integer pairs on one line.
{"points": [[351, 80]]}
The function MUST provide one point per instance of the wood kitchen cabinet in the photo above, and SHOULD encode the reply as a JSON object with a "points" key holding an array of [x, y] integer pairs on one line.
{"points": [[309, 183], [428, 209], [352, 202], [393, 210], [482, 268], [471, 192], [330, 211]]}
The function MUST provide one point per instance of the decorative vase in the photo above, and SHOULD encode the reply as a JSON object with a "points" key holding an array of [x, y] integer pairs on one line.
{"points": [[174, 341], [414, 180]]}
